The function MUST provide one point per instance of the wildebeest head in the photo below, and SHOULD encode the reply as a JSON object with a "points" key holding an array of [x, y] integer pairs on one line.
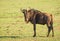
{"points": [[24, 11], [28, 14]]}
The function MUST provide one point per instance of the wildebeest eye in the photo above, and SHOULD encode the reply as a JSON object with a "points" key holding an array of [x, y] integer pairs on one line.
{"points": [[23, 12]]}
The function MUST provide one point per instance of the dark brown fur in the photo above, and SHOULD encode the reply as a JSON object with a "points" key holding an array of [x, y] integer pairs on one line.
{"points": [[38, 17]]}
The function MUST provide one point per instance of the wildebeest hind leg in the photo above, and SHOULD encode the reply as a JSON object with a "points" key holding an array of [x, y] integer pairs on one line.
{"points": [[52, 30], [49, 29]]}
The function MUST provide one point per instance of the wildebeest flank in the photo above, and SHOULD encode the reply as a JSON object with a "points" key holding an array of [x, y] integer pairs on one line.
{"points": [[37, 17]]}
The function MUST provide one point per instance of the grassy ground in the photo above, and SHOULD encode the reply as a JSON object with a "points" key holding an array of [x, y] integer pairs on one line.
{"points": [[13, 26]]}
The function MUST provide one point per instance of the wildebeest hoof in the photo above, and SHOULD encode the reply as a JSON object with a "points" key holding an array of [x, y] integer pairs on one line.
{"points": [[47, 35], [34, 35]]}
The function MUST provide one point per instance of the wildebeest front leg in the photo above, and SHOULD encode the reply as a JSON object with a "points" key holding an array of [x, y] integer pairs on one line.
{"points": [[34, 27], [34, 30]]}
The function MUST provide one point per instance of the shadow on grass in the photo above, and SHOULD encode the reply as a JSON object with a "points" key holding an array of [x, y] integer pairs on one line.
{"points": [[19, 36], [35, 36], [42, 36], [9, 36]]}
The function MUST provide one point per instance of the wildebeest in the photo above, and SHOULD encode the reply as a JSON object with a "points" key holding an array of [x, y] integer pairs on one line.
{"points": [[37, 17]]}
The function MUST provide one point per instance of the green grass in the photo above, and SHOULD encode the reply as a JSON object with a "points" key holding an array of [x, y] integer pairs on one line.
{"points": [[13, 26]]}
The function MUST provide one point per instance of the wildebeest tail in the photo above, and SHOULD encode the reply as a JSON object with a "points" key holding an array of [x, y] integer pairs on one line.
{"points": [[51, 19]]}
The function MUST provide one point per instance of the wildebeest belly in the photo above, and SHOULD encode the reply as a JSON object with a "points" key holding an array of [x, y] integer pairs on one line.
{"points": [[40, 23], [41, 20]]}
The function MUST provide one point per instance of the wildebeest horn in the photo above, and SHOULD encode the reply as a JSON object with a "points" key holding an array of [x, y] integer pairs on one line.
{"points": [[28, 8], [21, 9]]}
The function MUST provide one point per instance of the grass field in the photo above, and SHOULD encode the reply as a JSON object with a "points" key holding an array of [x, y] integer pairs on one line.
{"points": [[13, 26]]}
